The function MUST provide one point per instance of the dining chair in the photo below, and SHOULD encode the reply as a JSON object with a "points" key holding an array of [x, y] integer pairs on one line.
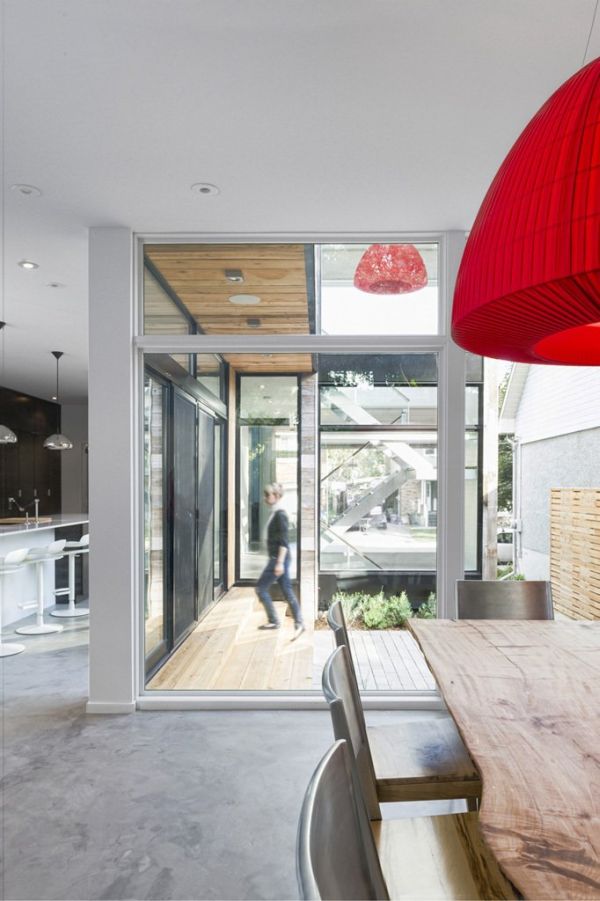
{"points": [[336, 856], [340, 854], [411, 760], [518, 599]]}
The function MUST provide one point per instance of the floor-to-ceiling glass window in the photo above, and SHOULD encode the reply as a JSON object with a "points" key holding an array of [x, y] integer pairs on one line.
{"points": [[378, 482], [268, 453], [351, 436], [155, 621], [184, 497]]}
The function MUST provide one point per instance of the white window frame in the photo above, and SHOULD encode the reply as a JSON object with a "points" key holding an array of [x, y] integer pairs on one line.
{"points": [[451, 428]]}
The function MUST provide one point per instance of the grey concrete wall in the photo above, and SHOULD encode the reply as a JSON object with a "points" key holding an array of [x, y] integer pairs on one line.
{"points": [[567, 461]]}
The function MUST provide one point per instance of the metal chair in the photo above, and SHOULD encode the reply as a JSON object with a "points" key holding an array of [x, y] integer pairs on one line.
{"points": [[341, 855], [411, 760], [477, 599], [336, 857]]}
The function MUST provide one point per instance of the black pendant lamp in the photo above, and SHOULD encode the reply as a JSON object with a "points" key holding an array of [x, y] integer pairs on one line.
{"points": [[57, 441], [7, 436]]}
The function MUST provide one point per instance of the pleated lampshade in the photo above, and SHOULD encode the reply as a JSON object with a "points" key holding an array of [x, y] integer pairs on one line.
{"points": [[390, 269], [528, 288]]}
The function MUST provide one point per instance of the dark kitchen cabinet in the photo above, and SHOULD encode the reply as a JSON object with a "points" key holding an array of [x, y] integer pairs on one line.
{"points": [[27, 468]]}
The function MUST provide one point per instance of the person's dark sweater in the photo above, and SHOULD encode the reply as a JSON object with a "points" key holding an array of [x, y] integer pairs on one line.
{"points": [[277, 533]]}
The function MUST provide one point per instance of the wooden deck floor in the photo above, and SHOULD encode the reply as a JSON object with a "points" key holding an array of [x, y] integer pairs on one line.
{"points": [[227, 651]]}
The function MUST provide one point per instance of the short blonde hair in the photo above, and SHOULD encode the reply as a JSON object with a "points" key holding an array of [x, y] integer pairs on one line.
{"points": [[275, 488]]}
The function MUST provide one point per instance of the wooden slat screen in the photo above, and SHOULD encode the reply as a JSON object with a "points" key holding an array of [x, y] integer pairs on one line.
{"points": [[575, 551]]}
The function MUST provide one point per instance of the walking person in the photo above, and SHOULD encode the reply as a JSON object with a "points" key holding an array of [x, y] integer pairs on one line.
{"points": [[278, 566]]}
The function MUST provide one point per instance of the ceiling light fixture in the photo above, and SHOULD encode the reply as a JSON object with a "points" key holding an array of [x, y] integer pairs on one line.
{"points": [[205, 188], [390, 269], [244, 300], [57, 441], [234, 275], [27, 190], [7, 436], [28, 264], [528, 287]]}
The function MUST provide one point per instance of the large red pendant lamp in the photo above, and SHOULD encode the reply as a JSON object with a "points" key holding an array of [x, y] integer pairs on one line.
{"points": [[390, 269], [528, 288]]}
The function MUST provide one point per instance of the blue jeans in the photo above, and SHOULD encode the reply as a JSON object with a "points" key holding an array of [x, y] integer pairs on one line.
{"points": [[269, 578]]}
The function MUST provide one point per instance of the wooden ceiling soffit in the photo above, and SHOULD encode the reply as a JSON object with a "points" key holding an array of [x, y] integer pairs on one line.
{"points": [[282, 275]]}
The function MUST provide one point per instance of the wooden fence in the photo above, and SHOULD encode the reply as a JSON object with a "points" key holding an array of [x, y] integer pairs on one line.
{"points": [[575, 551]]}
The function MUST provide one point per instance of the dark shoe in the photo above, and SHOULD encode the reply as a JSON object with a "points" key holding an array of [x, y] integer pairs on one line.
{"points": [[269, 626], [299, 628]]}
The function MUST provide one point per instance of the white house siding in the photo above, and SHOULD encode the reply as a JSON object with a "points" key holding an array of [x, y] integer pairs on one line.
{"points": [[558, 429], [558, 400]]}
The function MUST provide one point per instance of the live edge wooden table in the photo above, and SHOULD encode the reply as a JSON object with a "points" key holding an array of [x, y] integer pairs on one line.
{"points": [[526, 699]]}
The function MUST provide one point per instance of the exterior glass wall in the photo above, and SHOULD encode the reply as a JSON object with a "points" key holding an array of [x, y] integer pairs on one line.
{"points": [[268, 442]]}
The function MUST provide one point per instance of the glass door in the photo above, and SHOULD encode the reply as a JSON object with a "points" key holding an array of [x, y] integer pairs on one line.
{"points": [[185, 514], [156, 631], [206, 497]]}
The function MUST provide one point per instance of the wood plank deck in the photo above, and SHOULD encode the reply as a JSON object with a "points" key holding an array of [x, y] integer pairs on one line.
{"points": [[228, 652]]}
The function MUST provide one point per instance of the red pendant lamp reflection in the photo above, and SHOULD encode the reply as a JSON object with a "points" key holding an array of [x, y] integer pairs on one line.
{"points": [[390, 269], [528, 288]]}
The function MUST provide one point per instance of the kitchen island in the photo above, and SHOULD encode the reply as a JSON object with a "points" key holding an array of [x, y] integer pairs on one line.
{"points": [[20, 587]]}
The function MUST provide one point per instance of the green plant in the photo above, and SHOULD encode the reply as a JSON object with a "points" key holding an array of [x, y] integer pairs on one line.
{"points": [[351, 605], [428, 609], [379, 612]]}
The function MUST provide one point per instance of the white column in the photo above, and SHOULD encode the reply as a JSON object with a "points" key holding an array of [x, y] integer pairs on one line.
{"points": [[452, 447], [111, 472]]}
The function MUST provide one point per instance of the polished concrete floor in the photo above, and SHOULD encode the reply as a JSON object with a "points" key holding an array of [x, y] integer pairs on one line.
{"points": [[153, 805]]}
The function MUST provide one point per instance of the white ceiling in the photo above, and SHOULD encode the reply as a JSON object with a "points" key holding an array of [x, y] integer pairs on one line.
{"points": [[311, 116]]}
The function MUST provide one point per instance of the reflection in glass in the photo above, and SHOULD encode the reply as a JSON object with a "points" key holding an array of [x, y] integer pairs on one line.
{"points": [[378, 501], [154, 620], [268, 440], [471, 499], [218, 511], [347, 310]]}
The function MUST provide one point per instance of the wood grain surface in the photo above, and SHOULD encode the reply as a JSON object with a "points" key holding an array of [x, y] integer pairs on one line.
{"points": [[575, 551], [526, 699]]}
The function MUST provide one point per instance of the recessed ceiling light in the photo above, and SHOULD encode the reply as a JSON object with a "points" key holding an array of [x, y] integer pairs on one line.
{"points": [[234, 275], [28, 264], [244, 300], [205, 188], [27, 190], [54, 397]]}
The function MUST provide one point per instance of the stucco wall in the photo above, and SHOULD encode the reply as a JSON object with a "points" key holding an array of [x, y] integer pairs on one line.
{"points": [[567, 461]]}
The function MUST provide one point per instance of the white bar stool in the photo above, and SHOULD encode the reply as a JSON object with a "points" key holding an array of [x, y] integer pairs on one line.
{"points": [[73, 549], [40, 556], [14, 561]]}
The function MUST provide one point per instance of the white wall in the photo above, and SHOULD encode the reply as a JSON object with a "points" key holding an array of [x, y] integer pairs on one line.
{"points": [[74, 462], [558, 400]]}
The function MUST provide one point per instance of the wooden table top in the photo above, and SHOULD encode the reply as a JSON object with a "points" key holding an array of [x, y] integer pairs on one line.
{"points": [[526, 699]]}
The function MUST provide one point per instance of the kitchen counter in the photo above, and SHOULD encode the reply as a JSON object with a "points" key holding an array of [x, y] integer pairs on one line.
{"points": [[58, 521], [21, 586]]}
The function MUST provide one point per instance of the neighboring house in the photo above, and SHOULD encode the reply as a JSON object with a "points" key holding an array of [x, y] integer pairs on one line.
{"points": [[553, 413]]}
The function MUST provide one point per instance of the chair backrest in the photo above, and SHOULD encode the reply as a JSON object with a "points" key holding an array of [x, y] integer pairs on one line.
{"points": [[349, 724], [336, 857], [337, 622], [504, 600], [13, 558]]}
